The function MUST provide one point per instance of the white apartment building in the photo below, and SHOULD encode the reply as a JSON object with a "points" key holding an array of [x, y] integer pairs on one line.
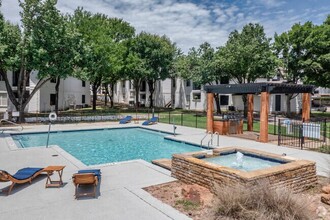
{"points": [[179, 93], [73, 93]]}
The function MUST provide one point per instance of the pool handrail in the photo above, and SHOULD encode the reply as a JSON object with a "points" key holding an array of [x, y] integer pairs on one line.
{"points": [[207, 133], [10, 122]]}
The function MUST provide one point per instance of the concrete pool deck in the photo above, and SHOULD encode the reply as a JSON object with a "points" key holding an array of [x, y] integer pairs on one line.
{"points": [[121, 194]]}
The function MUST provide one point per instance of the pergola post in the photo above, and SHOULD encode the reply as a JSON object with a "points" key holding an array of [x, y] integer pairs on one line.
{"points": [[210, 109], [306, 107], [264, 110], [250, 113]]}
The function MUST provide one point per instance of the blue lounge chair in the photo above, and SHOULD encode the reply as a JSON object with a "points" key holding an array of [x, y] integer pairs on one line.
{"points": [[86, 177], [125, 120], [151, 121], [21, 176]]}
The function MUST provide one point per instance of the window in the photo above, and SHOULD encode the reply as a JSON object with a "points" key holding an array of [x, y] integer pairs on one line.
{"points": [[143, 96], [83, 99], [124, 83], [143, 86], [188, 83], [224, 100], [173, 82], [1, 78], [16, 76], [196, 86], [3, 99], [52, 99], [83, 83], [197, 97], [224, 80], [53, 80], [130, 85]]}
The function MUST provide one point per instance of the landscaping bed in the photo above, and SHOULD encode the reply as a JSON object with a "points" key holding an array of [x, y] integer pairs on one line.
{"points": [[199, 203]]}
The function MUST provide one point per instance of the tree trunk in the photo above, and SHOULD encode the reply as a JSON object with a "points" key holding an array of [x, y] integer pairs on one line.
{"points": [[94, 90], [137, 92], [57, 86], [217, 102], [110, 95], [151, 85], [244, 98], [106, 95], [112, 87]]}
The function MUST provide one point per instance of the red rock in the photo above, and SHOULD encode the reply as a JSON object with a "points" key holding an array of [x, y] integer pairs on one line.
{"points": [[326, 189], [325, 198]]}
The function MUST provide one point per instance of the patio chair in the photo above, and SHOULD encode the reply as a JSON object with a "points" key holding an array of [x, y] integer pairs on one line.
{"points": [[151, 121], [86, 177], [125, 120], [21, 176]]}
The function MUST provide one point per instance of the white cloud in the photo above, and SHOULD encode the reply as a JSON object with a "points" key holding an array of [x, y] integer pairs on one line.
{"points": [[184, 22]]}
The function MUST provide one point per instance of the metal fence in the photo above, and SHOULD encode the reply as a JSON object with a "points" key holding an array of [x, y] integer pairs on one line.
{"points": [[304, 135]]}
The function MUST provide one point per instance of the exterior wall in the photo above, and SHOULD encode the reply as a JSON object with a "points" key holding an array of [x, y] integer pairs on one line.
{"points": [[70, 93], [299, 175]]}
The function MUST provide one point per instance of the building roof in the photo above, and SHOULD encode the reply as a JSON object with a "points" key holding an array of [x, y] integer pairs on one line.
{"points": [[256, 88]]}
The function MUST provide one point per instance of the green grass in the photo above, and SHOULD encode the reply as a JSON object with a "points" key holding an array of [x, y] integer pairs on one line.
{"points": [[187, 205]]}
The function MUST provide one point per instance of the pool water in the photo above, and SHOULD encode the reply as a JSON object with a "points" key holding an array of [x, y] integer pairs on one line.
{"points": [[109, 145], [249, 163]]}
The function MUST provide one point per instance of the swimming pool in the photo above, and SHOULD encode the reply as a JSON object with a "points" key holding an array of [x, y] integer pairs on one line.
{"points": [[108, 145]]}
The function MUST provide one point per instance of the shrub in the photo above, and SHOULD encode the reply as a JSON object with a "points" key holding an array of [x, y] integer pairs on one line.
{"points": [[261, 202]]}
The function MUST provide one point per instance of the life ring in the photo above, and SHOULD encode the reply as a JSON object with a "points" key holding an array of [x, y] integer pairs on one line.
{"points": [[52, 116]]}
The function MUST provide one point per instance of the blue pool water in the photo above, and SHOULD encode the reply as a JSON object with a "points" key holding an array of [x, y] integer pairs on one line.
{"points": [[249, 163], [110, 145]]}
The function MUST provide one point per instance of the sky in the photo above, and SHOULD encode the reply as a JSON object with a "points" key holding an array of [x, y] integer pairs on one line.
{"points": [[190, 23]]}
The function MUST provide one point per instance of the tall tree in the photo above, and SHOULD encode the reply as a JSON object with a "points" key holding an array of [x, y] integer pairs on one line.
{"points": [[100, 46], [316, 64], [246, 56], [201, 67], [152, 59], [32, 47], [290, 49]]}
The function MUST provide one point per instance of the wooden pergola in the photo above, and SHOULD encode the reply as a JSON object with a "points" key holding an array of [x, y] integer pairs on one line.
{"points": [[264, 89]]}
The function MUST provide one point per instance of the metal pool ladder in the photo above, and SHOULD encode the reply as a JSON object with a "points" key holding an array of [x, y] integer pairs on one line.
{"points": [[209, 132]]}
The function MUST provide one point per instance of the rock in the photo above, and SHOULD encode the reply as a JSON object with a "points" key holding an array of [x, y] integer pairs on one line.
{"points": [[191, 193], [326, 189], [325, 198], [321, 212]]}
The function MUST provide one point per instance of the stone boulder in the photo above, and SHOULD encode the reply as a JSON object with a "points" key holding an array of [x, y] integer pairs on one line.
{"points": [[326, 189], [325, 198]]}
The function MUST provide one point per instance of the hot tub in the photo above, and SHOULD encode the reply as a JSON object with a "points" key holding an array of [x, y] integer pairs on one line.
{"points": [[222, 167]]}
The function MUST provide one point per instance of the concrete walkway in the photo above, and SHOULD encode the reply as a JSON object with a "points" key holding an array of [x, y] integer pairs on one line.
{"points": [[121, 189]]}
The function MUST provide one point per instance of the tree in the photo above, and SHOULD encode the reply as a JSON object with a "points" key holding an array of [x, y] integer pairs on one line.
{"points": [[151, 58], [98, 59], [32, 48], [246, 56], [291, 51], [201, 67], [316, 65]]}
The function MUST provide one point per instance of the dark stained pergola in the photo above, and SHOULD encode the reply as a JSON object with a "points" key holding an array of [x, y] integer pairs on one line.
{"points": [[258, 88]]}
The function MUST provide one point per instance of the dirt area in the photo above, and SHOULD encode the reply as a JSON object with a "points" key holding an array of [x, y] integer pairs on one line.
{"points": [[199, 203]]}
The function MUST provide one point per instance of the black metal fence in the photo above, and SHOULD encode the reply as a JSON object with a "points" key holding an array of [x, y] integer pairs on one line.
{"points": [[304, 135]]}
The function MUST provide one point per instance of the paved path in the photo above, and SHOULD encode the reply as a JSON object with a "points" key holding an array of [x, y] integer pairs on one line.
{"points": [[121, 189]]}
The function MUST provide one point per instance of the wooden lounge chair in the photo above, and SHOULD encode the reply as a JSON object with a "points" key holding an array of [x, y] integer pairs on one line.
{"points": [[21, 176], [86, 177]]}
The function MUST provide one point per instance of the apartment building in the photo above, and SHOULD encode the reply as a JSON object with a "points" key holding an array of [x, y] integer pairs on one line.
{"points": [[73, 93], [180, 93]]}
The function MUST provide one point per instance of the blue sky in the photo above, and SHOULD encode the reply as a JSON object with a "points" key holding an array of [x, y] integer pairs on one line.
{"points": [[190, 23]]}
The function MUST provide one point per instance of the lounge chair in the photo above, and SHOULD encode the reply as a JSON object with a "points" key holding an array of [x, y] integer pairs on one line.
{"points": [[151, 121], [21, 176], [125, 120], [86, 177]]}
